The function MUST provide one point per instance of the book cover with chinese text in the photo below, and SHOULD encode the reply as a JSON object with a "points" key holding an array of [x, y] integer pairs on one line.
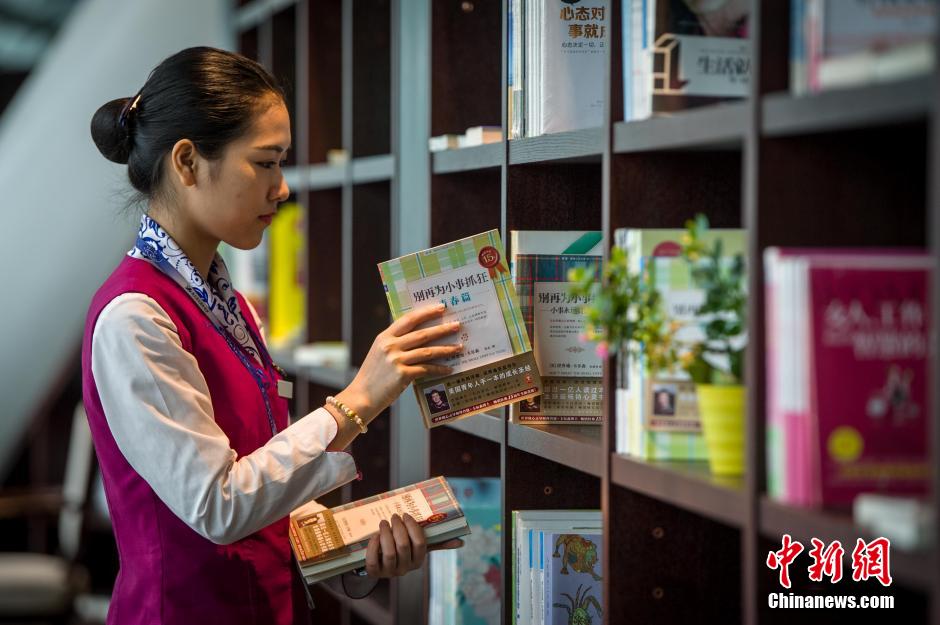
{"points": [[847, 388], [471, 277], [571, 369]]}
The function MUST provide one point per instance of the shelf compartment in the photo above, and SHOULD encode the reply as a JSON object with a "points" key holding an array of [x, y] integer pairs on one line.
{"points": [[721, 126], [843, 109], [914, 569], [576, 145], [574, 446], [465, 204], [486, 425], [467, 159], [373, 168], [371, 68], [687, 485], [457, 453]]}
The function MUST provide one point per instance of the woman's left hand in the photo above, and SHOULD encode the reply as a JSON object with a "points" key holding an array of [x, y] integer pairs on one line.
{"points": [[400, 547]]}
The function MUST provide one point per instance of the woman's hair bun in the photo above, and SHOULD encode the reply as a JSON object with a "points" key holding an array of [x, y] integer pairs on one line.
{"points": [[113, 139]]}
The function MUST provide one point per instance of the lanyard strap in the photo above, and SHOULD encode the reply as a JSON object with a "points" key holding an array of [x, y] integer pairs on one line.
{"points": [[159, 260]]}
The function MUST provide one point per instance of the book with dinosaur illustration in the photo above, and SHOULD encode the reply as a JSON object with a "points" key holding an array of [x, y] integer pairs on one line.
{"points": [[471, 278]]}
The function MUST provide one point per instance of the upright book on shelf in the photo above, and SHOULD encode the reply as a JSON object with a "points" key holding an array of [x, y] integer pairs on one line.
{"points": [[332, 541], [572, 388], [679, 54], [570, 577], [847, 373], [660, 419], [471, 277]]}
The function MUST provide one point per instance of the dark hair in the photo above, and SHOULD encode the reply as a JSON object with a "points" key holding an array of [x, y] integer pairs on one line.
{"points": [[207, 95]]}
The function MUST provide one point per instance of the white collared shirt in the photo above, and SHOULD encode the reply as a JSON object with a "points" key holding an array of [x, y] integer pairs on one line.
{"points": [[155, 398]]}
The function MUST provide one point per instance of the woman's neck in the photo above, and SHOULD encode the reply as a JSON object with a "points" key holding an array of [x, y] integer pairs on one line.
{"points": [[198, 247]]}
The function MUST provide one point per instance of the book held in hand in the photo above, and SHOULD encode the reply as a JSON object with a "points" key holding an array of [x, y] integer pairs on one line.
{"points": [[471, 278], [333, 541]]}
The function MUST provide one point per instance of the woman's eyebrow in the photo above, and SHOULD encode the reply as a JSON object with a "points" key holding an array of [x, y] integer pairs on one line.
{"points": [[275, 148]]}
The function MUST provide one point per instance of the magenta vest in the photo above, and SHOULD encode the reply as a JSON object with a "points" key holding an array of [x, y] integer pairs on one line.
{"points": [[169, 574]]}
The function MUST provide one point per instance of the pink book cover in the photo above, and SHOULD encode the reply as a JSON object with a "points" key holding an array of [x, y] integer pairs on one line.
{"points": [[870, 321]]}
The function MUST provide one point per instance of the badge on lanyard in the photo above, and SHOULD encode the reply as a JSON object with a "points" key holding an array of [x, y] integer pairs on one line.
{"points": [[285, 389]]}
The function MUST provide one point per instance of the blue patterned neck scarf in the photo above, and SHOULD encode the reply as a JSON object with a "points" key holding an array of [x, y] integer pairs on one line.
{"points": [[155, 245]]}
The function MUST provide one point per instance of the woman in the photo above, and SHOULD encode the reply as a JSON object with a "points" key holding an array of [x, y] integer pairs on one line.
{"points": [[187, 410]]}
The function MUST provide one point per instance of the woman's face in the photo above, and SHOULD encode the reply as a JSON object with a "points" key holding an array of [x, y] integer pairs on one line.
{"points": [[241, 191]]}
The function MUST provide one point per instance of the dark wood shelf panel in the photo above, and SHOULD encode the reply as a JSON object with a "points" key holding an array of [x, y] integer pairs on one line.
{"points": [[256, 12], [575, 446], [373, 168], [845, 109], [721, 126], [913, 569], [371, 609], [467, 159], [577, 145], [687, 485], [487, 425]]}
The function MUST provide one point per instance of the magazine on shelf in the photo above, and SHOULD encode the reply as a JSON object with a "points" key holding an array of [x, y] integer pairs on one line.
{"points": [[471, 278]]}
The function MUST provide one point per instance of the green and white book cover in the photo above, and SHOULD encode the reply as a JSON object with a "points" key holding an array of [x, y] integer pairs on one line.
{"points": [[662, 419], [471, 277], [572, 388]]}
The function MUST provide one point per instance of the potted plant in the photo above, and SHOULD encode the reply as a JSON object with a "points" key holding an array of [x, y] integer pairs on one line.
{"points": [[625, 317], [716, 364]]}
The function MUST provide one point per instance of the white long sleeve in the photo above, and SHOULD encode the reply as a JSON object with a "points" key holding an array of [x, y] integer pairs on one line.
{"points": [[157, 405]]}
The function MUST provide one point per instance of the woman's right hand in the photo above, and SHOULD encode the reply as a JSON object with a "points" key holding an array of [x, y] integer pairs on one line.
{"points": [[400, 355]]}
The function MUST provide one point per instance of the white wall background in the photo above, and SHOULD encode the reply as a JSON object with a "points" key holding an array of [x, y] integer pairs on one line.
{"points": [[62, 230]]}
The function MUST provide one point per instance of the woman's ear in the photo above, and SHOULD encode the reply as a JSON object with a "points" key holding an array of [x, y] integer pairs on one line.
{"points": [[183, 162]]}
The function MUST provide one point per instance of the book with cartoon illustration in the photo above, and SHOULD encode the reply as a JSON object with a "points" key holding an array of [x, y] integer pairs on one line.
{"points": [[471, 278], [333, 541], [847, 373], [571, 584]]}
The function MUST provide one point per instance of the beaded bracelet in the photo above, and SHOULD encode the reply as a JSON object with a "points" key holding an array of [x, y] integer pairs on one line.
{"points": [[348, 412]]}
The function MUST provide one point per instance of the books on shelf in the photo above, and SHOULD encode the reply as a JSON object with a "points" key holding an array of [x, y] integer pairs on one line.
{"points": [[471, 278], [847, 335], [557, 61], [842, 43], [678, 55], [572, 387], [333, 541], [466, 583], [287, 282], [657, 415], [556, 553]]}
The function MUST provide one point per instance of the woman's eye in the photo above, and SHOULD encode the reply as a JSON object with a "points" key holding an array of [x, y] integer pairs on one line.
{"points": [[271, 164]]}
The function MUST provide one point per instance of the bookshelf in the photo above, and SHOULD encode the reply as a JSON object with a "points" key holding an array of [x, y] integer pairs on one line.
{"points": [[843, 168]]}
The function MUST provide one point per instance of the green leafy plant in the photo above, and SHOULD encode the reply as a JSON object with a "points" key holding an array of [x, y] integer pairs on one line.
{"points": [[719, 359], [624, 312], [625, 316]]}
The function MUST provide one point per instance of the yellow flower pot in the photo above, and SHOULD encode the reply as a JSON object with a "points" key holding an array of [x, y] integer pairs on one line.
{"points": [[721, 409]]}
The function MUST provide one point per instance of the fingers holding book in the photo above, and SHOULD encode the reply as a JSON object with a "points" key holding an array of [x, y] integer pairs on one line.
{"points": [[398, 548]]}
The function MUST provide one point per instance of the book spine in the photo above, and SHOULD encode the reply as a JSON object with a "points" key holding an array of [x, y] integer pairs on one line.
{"points": [[797, 47]]}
